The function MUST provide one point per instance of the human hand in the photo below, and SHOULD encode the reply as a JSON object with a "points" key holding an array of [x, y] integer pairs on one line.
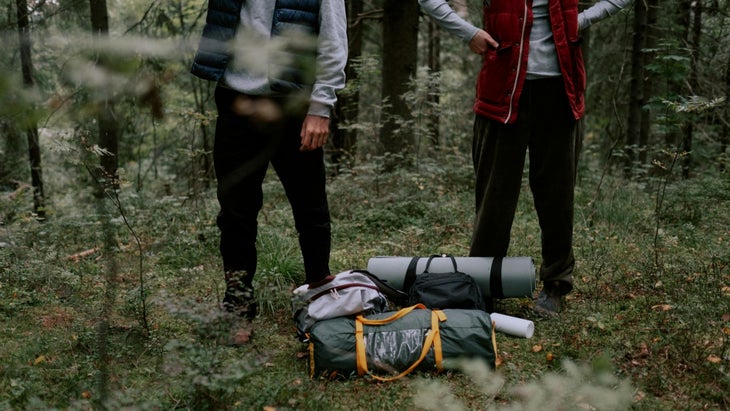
{"points": [[315, 131], [481, 42]]}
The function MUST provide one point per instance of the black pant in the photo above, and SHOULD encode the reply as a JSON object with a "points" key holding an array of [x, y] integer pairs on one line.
{"points": [[250, 133], [547, 129]]}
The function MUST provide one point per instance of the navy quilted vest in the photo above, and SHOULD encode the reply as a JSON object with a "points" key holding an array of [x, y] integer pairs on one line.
{"points": [[222, 20]]}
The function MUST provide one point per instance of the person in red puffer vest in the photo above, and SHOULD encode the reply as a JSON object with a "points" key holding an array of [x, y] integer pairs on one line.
{"points": [[529, 98]]}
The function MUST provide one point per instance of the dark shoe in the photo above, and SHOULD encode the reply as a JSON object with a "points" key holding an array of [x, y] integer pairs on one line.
{"points": [[549, 303], [239, 297]]}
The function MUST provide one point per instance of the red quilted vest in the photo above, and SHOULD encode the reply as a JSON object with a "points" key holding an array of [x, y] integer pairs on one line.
{"points": [[503, 71]]}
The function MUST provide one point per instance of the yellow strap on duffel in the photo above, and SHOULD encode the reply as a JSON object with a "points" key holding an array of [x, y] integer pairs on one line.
{"points": [[433, 338], [310, 348]]}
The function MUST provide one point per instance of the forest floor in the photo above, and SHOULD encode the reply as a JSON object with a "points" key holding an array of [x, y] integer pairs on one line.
{"points": [[97, 305]]}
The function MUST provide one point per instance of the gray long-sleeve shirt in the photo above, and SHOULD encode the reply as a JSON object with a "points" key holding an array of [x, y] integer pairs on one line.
{"points": [[542, 60], [249, 72]]}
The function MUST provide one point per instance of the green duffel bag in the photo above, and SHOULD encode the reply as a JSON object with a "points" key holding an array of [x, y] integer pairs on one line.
{"points": [[388, 346]]}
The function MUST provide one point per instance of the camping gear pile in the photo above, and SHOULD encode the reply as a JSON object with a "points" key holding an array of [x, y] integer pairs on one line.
{"points": [[395, 318]]}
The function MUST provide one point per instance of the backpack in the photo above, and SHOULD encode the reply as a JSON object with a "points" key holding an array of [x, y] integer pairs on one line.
{"points": [[348, 293], [453, 289]]}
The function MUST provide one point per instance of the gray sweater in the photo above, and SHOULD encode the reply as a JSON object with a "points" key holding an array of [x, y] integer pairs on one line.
{"points": [[248, 72]]}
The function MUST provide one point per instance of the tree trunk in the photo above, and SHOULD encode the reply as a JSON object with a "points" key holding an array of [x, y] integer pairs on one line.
{"points": [[652, 35], [107, 121], [693, 84], [400, 44], [636, 95], [434, 92], [12, 155], [31, 127], [682, 21], [201, 163], [725, 136], [347, 110], [207, 158]]}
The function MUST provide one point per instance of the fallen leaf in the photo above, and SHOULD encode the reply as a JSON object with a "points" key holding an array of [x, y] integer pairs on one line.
{"points": [[661, 307], [714, 359], [549, 356], [39, 359], [537, 348], [86, 394]]}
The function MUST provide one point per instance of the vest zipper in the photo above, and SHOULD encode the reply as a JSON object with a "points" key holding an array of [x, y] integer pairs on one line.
{"points": [[519, 66]]}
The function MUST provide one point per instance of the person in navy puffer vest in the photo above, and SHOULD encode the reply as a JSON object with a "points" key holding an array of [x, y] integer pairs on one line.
{"points": [[277, 65]]}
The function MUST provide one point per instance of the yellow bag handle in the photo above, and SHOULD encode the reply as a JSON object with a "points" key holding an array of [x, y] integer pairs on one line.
{"points": [[399, 314], [433, 338]]}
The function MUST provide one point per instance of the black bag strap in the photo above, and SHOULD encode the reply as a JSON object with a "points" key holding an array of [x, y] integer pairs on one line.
{"points": [[391, 293], [495, 278], [428, 263], [410, 274]]}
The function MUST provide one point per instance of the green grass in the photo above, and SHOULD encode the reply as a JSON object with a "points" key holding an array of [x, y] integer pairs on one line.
{"points": [[647, 327]]}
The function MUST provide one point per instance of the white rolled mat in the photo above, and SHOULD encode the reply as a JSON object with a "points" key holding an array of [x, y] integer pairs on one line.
{"points": [[514, 326], [510, 277]]}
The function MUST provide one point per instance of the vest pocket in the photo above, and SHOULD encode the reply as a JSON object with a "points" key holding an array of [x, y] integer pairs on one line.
{"points": [[497, 75]]}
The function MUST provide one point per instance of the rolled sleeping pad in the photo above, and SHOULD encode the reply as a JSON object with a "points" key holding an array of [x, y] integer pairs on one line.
{"points": [[498, 277]]}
